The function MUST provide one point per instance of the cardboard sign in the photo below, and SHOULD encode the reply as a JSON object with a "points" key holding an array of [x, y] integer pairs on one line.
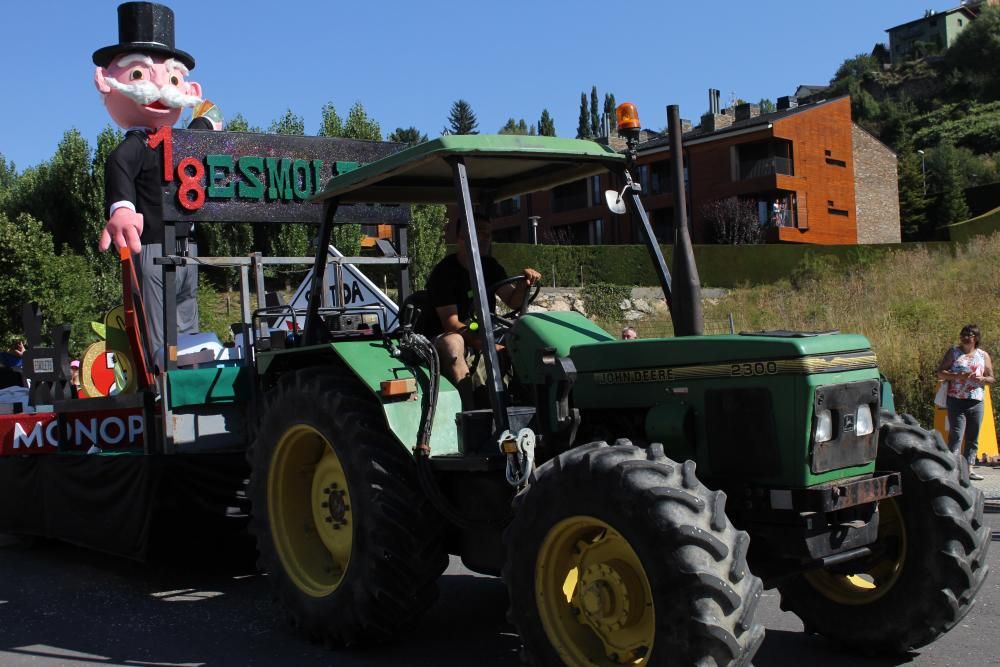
{"points": [[359, 291], [38, 433], [245, 177]]}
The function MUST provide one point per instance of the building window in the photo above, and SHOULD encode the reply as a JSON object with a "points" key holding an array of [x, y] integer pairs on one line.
{"points": [[837, 211], [570, 196], [660, 177], [644, 177], [509, 206], [595, 190], [836, 163], [764, 158]]}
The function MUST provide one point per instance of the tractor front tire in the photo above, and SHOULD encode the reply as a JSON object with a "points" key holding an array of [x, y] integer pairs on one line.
{"points": [[928, 562], [619, 556], [351, 545]]}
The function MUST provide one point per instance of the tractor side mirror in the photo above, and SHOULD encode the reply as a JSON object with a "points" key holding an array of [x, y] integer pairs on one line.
{"points": [[614, 200]]}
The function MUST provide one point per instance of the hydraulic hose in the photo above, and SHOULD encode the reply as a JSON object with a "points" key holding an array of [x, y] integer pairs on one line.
{"points": [[425, 350]]}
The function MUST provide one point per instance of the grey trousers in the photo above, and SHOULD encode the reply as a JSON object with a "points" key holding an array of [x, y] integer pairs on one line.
{"points": [[151, 280], [965, 416]]}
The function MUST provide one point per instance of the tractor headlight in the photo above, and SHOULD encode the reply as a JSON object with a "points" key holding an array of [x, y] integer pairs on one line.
{"points": [[824, 426], [864, 423]]}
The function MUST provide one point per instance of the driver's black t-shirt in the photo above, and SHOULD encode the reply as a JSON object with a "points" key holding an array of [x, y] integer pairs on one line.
{"points": [[449, 285]]}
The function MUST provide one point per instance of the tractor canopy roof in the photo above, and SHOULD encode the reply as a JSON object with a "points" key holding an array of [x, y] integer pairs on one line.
{"points": [[498, 167]]}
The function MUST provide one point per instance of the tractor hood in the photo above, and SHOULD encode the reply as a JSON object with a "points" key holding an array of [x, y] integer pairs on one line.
{"points": [[778, 353]]}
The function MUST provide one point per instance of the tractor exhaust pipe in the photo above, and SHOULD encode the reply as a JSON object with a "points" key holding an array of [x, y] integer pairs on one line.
{"points": [[686, 307]]}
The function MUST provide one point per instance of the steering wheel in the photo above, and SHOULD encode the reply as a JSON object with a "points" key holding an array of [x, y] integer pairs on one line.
{"points": [[506, 320]]}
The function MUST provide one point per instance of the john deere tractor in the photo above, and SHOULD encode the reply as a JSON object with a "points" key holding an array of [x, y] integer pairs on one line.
{"points": [[636, 496]]}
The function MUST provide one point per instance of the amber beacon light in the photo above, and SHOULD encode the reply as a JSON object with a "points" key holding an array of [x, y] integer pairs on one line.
{"points": [[628, 117]]}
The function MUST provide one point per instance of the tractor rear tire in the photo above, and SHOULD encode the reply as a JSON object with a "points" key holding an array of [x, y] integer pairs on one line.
{"points": [[617, 555], [929, 561], [350, 543]]}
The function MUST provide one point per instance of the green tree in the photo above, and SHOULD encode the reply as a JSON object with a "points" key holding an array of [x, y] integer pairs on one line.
{"points": [[583, 125], [8, 174], [331, 124], [461, 119], [290, 123], [946, 169], [974, 50], [516, 127], [609, 106], [31, 271], [61, 195], [546, 126], [766, 105], [595, 115], [426, 241], [912, 199], [360, 126], [239, 123], [858, 67], [409, 135]]}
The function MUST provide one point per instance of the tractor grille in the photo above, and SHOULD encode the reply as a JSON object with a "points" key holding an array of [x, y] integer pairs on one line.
{"points": [[846, 448], [740, 431]]}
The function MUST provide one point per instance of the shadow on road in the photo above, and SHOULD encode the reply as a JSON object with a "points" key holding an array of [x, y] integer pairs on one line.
{"points": [[199, 601], [782, 647]]}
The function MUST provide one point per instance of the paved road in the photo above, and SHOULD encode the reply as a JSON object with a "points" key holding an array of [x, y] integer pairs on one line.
{"points": [[60, 605]]}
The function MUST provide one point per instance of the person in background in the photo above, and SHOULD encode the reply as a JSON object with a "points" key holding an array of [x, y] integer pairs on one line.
{"points": [[74, 375], [628, 333], [12, 357], [967, 368]]}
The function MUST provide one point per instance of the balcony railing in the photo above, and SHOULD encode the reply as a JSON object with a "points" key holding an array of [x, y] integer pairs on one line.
{"points": [[765, 167]]}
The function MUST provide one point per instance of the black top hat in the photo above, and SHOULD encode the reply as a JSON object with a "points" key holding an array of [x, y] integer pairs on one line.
{"points": [[143, 27]]}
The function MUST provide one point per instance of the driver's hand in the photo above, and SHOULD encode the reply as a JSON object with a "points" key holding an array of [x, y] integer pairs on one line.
{"points": [[531, 276]]}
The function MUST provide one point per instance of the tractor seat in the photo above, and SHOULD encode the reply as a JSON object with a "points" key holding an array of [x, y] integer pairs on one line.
{"points": [[420, 302]]}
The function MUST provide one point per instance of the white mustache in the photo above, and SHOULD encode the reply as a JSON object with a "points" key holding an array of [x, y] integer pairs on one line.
{"points": [[147, 92]]}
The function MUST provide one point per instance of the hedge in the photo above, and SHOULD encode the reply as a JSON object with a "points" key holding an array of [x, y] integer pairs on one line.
{"points": [[718, 265], [983, 225]]}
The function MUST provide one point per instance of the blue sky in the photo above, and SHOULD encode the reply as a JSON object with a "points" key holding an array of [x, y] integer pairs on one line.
{"points": [[408, 61]]}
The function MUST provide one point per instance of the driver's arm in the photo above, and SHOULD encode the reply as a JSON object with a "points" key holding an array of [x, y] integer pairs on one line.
{"points": [[513, 294], [450, 323]]}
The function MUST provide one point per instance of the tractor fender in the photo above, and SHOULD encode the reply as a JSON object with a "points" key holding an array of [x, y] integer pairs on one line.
{"points": [[372, 362]]}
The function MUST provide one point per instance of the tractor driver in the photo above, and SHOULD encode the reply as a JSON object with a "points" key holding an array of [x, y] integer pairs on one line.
{"points": [[450, 295]]}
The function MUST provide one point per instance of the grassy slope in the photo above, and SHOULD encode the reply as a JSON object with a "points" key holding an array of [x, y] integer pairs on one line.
{"points": [[910, 304]]}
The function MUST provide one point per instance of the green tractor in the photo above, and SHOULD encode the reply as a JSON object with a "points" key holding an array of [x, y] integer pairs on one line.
{"points": [[636, 496]]}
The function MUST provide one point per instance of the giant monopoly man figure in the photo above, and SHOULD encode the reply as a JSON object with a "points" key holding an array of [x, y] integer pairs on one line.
{"points": [[143, 80]]}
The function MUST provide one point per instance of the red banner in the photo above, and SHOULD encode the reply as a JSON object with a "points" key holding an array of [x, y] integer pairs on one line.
{"points": [[107, 430]]}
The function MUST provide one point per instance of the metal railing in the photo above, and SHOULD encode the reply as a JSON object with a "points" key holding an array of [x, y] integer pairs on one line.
{"points": [[766, 167]]}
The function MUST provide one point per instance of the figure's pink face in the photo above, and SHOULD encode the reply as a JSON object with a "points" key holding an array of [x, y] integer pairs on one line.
{"points": [[146, 90]]}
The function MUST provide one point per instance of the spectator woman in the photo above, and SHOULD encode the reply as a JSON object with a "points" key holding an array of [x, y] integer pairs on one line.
{"points": [[967, 368]]}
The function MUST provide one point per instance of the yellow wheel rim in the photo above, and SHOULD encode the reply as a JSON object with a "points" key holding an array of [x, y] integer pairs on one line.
{"points": [[309, 506], [593, 595], [879, 573]]}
